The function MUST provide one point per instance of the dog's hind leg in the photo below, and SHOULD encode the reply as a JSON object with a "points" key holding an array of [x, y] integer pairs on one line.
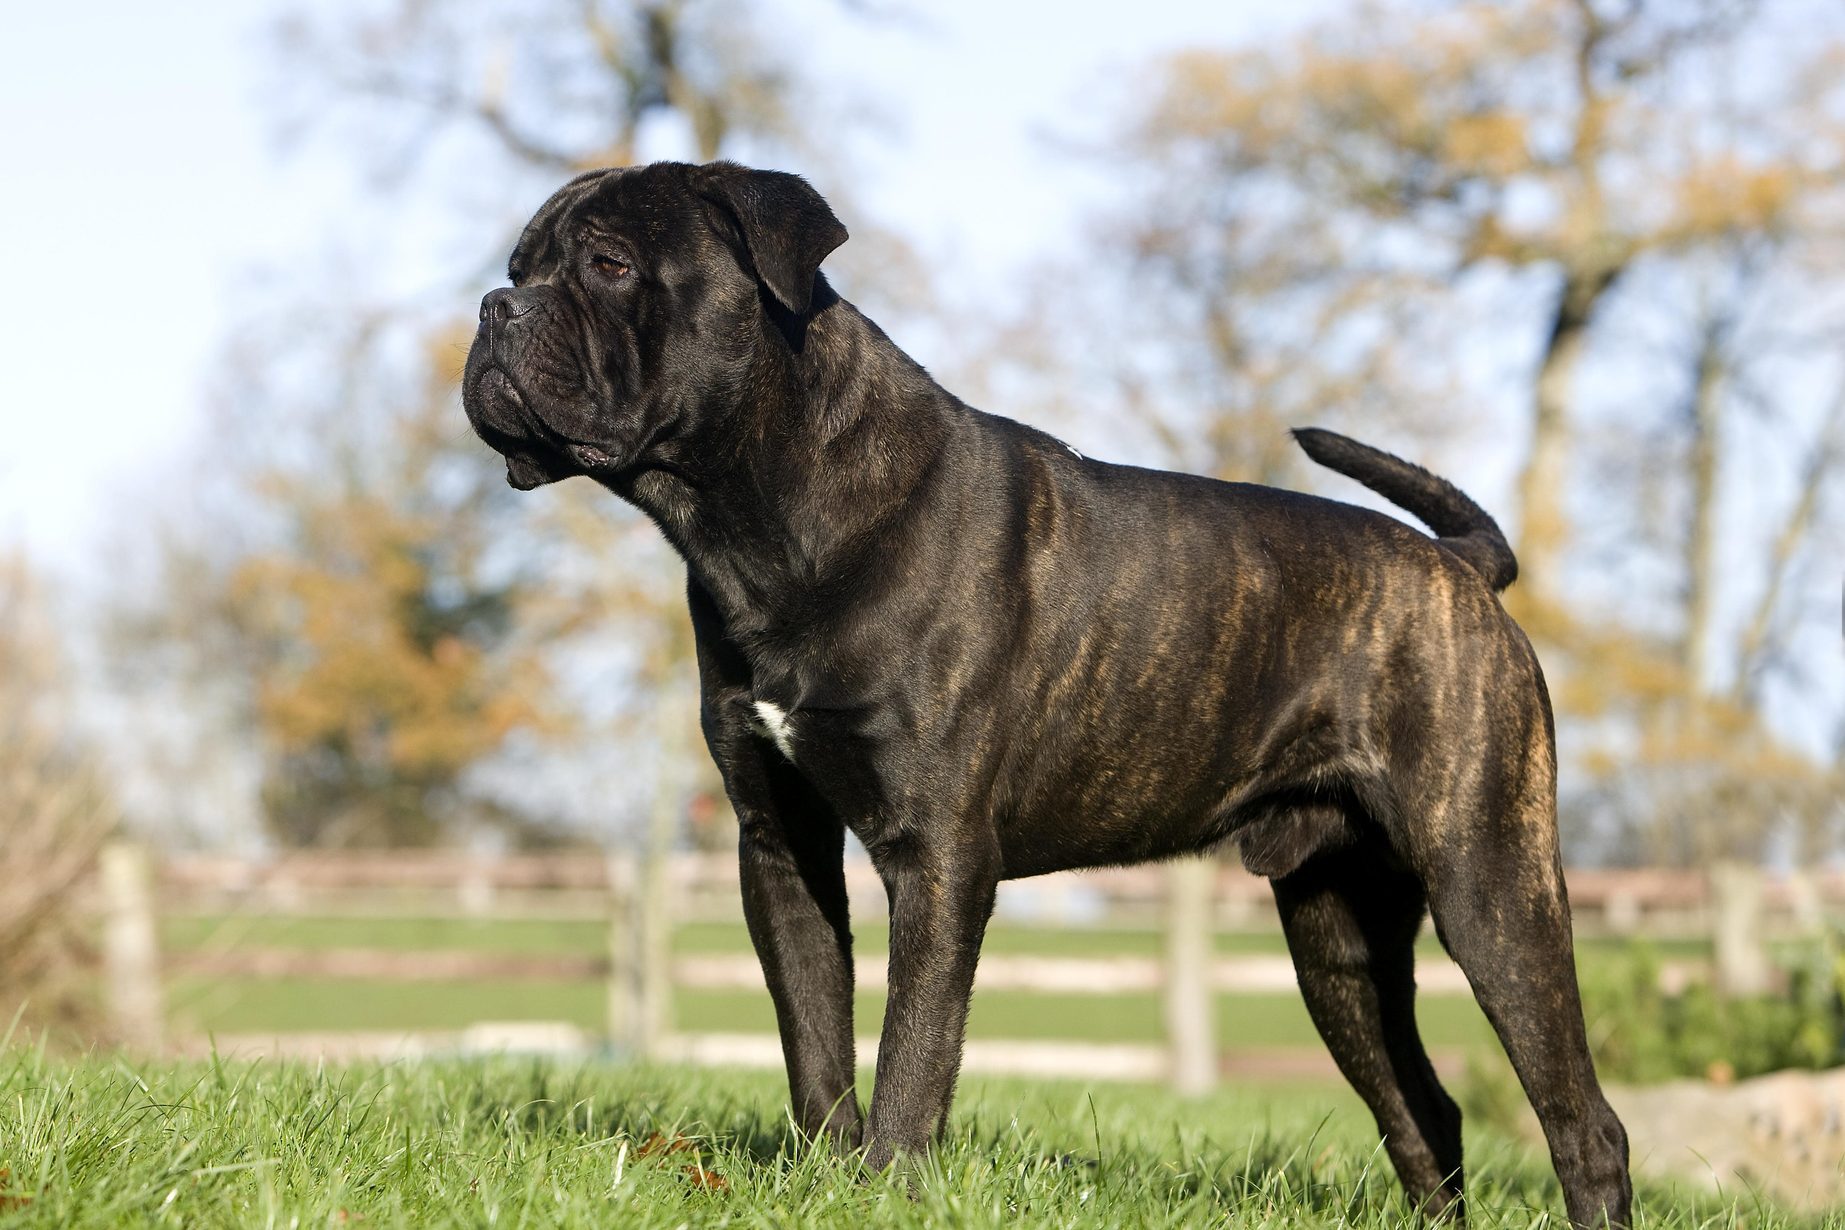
{"points": [[1351, 921], [1497, 894]]}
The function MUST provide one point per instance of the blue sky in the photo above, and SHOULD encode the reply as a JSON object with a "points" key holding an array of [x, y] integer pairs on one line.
{"points": [[146, 183]]}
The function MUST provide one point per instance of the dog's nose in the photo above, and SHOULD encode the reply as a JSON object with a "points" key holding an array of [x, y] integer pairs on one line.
{"points": [[502, 305]]}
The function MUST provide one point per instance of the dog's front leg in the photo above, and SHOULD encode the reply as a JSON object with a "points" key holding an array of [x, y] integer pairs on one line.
{"points": [[941, 894], [792, 860]]}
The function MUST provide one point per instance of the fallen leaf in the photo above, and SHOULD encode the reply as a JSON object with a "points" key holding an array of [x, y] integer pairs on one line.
{"points": [[659, 1145], [710, 1180]]}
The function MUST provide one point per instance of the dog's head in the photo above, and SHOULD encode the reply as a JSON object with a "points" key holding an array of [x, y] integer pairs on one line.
{"points": [[638, 298]]}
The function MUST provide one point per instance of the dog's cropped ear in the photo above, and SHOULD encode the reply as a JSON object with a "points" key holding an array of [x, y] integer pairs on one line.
{"points": [[785, 225]]}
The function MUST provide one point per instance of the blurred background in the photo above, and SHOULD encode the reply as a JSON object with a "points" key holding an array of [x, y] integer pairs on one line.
{"points": [[316, 736]]}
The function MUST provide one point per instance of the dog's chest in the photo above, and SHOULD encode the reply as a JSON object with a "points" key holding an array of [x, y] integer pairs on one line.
{"points": [[773, 723]]}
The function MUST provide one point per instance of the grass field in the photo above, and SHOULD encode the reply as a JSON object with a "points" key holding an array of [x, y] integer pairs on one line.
{"points": [[101, 1142], [210, 1005]]}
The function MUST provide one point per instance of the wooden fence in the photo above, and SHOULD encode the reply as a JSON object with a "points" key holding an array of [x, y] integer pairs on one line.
{"points": [[1189, 901]]}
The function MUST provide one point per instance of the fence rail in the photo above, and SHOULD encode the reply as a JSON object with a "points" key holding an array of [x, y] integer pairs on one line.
{"points": [[1188, 901], [1613, 899]]}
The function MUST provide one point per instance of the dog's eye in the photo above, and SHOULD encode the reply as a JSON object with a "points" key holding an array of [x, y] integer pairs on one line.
{"points": [[608, 266]]}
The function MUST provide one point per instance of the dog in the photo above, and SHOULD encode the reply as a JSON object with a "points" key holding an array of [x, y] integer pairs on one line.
{"points": [[990, 657]]}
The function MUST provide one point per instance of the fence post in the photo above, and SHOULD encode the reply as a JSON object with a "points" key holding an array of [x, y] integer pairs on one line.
{"points": [[1190, 1017], [131, 947], [475, 889], [640, 955], [641, 920], [623, 987], [1736, 914], [1806, 903], [1621, 915], [653, 943]]}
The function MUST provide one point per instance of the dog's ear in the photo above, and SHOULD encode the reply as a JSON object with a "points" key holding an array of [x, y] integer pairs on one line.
{"points": [[785, 225]]}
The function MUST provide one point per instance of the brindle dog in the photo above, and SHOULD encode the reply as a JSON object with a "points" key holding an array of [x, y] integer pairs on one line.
{"points": [[990, 657]]}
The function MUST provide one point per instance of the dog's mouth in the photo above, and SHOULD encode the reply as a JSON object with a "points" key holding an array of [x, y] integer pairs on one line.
{"points": [[535, 453], [496, 407], [493, 384], [590, 457], [501, 417]]}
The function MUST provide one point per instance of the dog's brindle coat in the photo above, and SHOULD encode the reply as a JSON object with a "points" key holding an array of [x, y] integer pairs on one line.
{"points": [[989, 657]]}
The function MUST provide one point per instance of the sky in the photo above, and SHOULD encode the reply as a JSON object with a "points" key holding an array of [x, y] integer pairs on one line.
{"points": [[147, 183], [152, 203]]}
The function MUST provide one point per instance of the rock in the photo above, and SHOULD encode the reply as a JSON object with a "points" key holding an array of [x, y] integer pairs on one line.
{"points": [[1783, 1134]]}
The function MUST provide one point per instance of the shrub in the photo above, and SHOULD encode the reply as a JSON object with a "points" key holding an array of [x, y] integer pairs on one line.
{"points": [[1642, 1033], [54, 817]]}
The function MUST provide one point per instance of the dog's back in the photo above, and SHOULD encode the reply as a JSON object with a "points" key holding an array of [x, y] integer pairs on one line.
{"points": [[1169, 654]]}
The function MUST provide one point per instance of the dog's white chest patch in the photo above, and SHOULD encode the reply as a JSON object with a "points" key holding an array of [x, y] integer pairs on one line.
{"points": [[773, 724]]}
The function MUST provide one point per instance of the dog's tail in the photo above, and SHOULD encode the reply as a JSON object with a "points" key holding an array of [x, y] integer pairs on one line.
{"points": [[1461, 525]]}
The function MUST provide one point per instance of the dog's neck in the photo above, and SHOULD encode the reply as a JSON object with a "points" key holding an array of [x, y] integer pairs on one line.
{"points": [[808, 473]]}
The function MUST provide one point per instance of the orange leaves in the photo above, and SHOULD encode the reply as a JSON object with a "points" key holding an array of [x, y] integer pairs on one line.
{"points": [[1492, 143], [661, 1145], [697, 1174], [1204, 95], [706, 1180], [390, 657], [1725, 194], [10, 1200], [1396, 107], [1354, 106], [361, 665]]}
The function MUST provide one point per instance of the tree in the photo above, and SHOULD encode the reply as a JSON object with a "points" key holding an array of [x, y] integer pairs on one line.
{"points": [[405, 656], [1589, 211], [466, 92], [383, 646], [542, 94], [410, 640], [556, 87]]}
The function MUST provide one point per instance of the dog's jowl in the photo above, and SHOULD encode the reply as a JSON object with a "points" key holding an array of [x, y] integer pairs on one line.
{"points": [[989, 657]]}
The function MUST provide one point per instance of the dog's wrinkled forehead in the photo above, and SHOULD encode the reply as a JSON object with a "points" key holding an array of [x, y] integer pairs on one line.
{"points": [[653, 207]]}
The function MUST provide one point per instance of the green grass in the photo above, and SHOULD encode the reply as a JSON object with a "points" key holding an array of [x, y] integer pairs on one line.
{"points": [[103, 1143]]}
